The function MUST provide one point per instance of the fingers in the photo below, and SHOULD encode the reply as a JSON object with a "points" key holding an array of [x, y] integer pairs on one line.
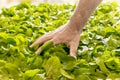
{"points": [[38, 50], [73, 48], [41, 40], [55, 41], [45, 47]]}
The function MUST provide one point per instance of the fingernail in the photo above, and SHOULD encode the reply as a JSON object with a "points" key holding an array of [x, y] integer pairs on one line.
{"points": [[35, 52], [74, 56], [30, 46], [38, 52]]}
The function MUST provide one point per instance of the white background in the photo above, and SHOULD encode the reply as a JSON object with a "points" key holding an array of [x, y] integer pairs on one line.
{"points": [[7, 3]]}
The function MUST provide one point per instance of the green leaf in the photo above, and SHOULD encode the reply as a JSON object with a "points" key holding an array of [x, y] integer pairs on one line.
{"points": [[2, 63], [67, 75], [113, 63], [68, 62], [29, 32], [52, 67], [82, 77], [29, 74], [113, 76], [102, 66], [46, 46], [108, 31]]}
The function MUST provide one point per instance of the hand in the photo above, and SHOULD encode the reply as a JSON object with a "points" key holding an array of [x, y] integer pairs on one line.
{"points": [[65, 34]]}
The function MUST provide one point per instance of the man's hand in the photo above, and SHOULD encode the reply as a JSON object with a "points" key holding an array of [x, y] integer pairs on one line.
{"points": [[69, 33], [64, 34]]}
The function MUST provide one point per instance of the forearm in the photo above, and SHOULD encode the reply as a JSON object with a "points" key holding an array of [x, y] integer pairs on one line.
{"points": [[82, 13]]}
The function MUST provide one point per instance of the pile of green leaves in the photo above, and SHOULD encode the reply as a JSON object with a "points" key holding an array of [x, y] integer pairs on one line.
{"points": [[98, 52]]}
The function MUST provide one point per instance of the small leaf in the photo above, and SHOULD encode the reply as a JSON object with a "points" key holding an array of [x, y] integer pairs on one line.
{"points": [[2, 63], [102, 66], [67, 75], [46, 46], [29, 74]]}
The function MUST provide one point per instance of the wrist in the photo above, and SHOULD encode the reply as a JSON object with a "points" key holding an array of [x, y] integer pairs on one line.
{"points": [[75, 26]]}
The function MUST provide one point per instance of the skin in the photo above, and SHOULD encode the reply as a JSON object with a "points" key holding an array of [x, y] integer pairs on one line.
{"points": [[69, 33]]}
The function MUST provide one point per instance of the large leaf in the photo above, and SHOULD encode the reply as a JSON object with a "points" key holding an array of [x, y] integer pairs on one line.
{"points": [[52, 67]]}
